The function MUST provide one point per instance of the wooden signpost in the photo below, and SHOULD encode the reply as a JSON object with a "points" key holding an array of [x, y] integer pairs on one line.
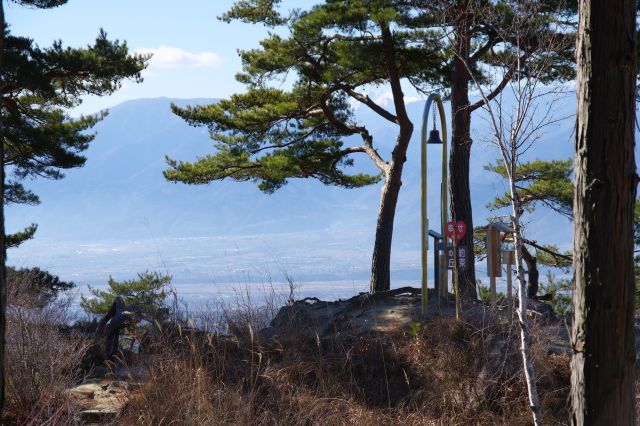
{"points": [[455, 231], [497, 232], [508, 259], [494, 267]]}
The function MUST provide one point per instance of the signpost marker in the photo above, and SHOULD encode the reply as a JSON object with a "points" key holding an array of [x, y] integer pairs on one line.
{"points": [[455, 231], [494, 260], [509, 289], [507, 258]]}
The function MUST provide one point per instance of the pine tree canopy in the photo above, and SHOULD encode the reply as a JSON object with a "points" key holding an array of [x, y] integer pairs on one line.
{"points": [[541, 182], [38, 85], [333, 53], [538, 181], [496, 42], [41, 4], [40, 284], [148, 292], [17, 238]]}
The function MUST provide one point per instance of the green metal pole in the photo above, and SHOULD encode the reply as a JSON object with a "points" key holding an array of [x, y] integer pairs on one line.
{"points": [[443, 193], [444, 206], [424, 223]]}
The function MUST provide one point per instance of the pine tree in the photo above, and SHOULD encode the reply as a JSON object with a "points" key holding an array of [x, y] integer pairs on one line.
{"points": [[480, 34], [38, 137], [333, 53], [39, 84], [148, 292], [38, 285], [546, 183]]}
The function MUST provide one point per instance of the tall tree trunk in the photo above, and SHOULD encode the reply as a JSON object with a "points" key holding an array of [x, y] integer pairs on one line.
{"points": [[381, 259], [461, 149], [602, 367], [3, 277]]}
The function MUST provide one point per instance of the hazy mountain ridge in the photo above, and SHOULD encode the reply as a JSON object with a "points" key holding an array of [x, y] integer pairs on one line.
{"points": [[118, 215]]}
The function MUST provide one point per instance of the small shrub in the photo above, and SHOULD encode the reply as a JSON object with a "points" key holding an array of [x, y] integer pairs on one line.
{"points": [[149, 291], [560, 291], [34, 286], [485, 293]]}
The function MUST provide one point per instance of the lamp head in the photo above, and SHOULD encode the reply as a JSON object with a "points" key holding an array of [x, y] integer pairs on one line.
{"points": [[434, 137]]}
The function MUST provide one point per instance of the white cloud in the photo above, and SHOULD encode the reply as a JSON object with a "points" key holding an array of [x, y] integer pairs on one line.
{"points": [[411, 99], [174, 57], [386, 98]]}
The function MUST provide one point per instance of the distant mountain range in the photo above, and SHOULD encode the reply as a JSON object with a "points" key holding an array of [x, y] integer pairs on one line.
{"points": [[118, 216]]}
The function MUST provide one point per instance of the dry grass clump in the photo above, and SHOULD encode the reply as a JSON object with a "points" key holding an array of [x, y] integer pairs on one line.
{"points": [[472, 370], [42, 363], [438, 372]]}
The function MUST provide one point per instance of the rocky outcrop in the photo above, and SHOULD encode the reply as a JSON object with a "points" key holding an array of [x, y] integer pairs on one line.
{"points": [[366, 312], [99, 401]]}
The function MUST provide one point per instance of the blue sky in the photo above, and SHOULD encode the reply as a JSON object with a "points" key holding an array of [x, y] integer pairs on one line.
{"points": [[195, 54]]}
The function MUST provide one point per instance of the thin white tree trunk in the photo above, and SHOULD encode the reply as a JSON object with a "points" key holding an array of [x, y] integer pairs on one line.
{"points": [[529, 372]]}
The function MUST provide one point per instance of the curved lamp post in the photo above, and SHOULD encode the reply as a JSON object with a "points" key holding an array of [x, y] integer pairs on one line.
{"points": [[433, 139]]}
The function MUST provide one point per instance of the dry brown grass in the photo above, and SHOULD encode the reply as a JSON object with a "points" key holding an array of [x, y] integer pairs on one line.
{"points": [[434, 373], [440, 372], [41, 362]]}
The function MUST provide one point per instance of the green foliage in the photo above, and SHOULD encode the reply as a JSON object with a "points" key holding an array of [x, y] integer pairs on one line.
{"points": [[38, 86], [548, 256], [42, 285], [485, 293], [498, 43], [480, 241], [560, 291], [332, 53], [149, 292], [14, 240], [415, 327], [545, 182], [538, 182], [41, 4], [255, 11]]}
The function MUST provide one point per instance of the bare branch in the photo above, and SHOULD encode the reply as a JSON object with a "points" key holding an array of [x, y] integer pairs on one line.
{"points": [[366, 100]]}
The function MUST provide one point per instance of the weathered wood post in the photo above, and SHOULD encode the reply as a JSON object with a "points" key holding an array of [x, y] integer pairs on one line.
{"points": [[494, 259]]}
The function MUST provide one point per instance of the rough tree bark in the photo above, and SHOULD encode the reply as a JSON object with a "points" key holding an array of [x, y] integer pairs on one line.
{"points": [[602, 367], [380, 263], [381, 259], [461, 146], [3, 278]]}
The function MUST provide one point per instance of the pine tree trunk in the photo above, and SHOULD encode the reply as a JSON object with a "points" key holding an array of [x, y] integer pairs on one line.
{"points": [[461, 151], [3, 277], [380, 263], [381, 259], [603, 363]]}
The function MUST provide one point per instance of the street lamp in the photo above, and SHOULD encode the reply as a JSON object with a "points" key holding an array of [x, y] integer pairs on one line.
{"points": [[434, 138]]}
